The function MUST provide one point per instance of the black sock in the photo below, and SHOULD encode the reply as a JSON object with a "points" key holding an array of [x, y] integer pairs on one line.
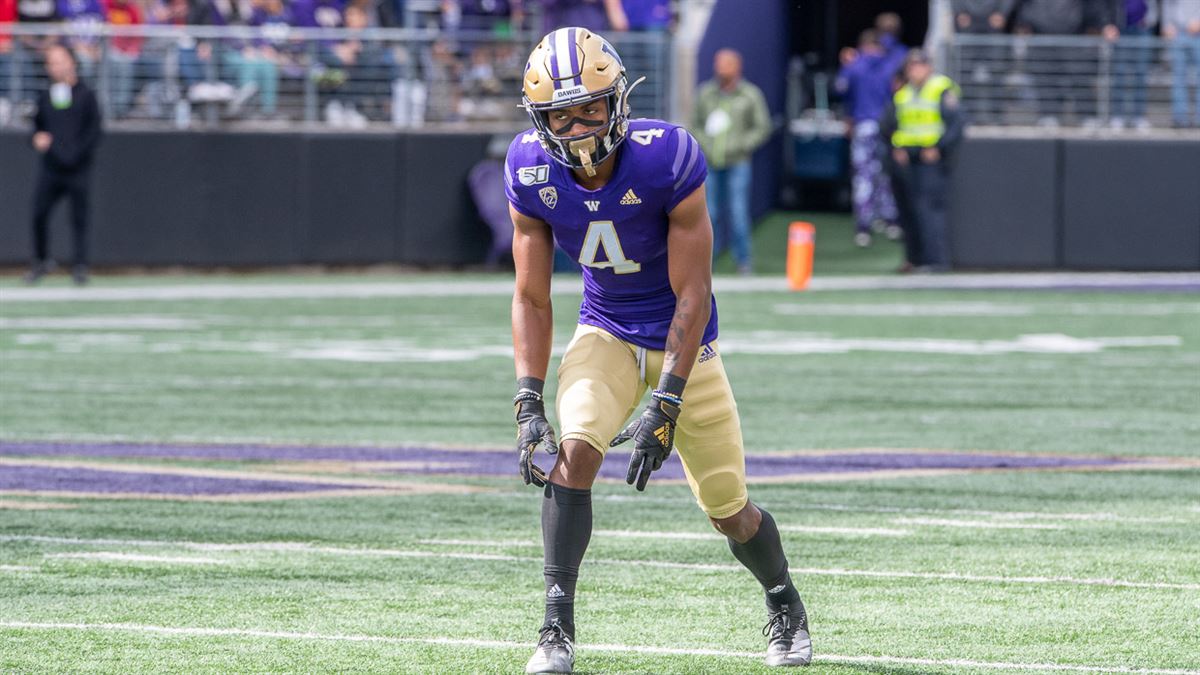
{"points": [[566, 530], [763, 556]]}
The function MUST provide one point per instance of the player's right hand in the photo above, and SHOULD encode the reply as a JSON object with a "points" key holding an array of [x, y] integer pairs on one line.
{"points": [[533, 432]]}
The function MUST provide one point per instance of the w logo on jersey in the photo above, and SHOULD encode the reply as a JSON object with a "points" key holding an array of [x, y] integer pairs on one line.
{"points": [[592, 204]]}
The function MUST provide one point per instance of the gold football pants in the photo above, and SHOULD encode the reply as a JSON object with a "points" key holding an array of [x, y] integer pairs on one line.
{"points": [[601, 381]]}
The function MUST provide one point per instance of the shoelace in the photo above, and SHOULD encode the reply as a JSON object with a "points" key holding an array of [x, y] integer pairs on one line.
{"points": [[553, 635], [777, 624]]}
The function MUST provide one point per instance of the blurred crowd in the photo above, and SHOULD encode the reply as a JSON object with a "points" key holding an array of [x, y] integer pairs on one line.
{"points": [[1064, 76], [468, 68]]}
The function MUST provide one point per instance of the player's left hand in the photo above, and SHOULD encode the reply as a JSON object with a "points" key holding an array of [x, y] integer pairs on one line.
{"points": [[533, 432], [653, 437]]}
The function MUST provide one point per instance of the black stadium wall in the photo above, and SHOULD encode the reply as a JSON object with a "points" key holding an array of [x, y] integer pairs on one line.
{"points": [[248, 199], [263, 199]]}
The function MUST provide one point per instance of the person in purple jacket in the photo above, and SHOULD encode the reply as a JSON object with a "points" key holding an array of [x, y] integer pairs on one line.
{"points": [[590, 14], [865, 83], [319, 13], [626, 199]]}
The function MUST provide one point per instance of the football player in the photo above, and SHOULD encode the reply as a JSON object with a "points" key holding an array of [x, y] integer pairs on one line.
{"points": [[626, 199]]}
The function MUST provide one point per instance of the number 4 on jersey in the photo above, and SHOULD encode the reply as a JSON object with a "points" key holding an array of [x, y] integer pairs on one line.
{"points": [[602, 233], [644, 136]]}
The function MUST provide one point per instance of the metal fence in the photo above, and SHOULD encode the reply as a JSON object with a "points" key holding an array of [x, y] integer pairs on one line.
{"points": [[1138, 82], [279, 76]]}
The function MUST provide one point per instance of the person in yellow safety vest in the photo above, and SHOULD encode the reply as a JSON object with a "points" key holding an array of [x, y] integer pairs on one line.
{"points": [[925, 122]]}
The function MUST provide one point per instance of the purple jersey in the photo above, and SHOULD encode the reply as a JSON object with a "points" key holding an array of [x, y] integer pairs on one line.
{"points": [[619, 232]]}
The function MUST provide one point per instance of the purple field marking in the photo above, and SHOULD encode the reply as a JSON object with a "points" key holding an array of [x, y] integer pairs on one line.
{"points": [[75, 479], [504, 463]]}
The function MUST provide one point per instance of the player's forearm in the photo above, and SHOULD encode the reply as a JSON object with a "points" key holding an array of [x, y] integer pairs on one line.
{"points": [[533, 334], [692, 309]]}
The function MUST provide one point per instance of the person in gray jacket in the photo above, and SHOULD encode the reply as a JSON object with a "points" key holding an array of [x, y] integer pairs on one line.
{"points": [[1065, 73], [983, 65], [1181, 27]]}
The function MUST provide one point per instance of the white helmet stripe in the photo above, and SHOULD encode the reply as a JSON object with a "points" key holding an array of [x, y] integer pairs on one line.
{"points": [[562, 54]]}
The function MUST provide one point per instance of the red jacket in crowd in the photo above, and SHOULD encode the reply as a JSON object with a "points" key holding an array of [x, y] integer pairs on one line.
{"points": [[8, 14], [124, 13]]}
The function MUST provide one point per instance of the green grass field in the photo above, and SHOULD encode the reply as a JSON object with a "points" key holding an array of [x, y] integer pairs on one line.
{"points": [[984, 571]]}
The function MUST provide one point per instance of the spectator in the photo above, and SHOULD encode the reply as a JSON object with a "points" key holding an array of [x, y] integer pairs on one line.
{"points": [[29, 49], [318, 13], [8, 15], [482, 89], [730, 121], [443, 76], [197, 57], [66, 131], [1062, 74], [1131, 61], [124, 53], [495, 16], [925, 123], [647, 15], [594, 15], [84, 18], [1181, 26], [362, 75], [259, 61], [889, 28], [865, 83], [983, 65], [647, 52]]}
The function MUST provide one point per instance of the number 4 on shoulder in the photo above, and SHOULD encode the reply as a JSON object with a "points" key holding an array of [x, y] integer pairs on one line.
{"points": [[645, 136]]}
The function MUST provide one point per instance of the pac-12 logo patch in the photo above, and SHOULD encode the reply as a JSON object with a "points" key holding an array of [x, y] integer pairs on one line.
{"points": [[549, 196], [533, 175]]}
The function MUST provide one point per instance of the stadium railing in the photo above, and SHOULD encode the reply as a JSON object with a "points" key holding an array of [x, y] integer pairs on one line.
{"points": [[1083, 81], [205, 77]]}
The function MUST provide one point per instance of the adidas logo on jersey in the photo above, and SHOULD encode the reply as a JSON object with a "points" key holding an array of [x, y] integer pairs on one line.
{"points": [[555, 592], [707, 353], [629, 199]]}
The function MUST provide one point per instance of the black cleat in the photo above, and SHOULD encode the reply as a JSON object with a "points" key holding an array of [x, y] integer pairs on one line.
{"points": [[79, 274], [38, 270], [788, 643], [555, 652]]}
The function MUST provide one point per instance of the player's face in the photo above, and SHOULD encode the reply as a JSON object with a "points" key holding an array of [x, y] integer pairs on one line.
{"points": [[578, 119]]}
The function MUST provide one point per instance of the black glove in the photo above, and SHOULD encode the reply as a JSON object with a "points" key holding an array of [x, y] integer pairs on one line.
{"points": [[533, 431], [654, 436]]}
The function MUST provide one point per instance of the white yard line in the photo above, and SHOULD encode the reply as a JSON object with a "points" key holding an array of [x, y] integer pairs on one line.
{"points": [[492, 557], [1018, 515], [572, 285], [852, 531], [17, 568], [612, 648], [110, 556], [977, 524]]}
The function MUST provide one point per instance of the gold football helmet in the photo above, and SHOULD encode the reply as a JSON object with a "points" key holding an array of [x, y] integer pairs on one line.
{"points": [[571, 66]]}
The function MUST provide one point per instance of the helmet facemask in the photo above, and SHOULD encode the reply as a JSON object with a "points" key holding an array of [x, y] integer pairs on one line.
{"points": [[554, 81]]}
